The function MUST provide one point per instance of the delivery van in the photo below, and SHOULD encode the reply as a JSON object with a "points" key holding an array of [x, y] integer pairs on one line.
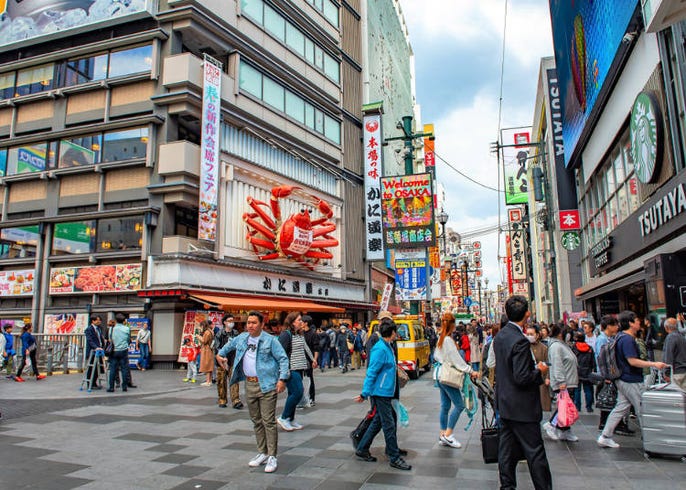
{"points": [[413, 347]]}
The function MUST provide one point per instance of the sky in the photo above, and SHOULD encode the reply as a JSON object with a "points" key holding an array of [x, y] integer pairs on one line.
{"points": [[458, 47]]}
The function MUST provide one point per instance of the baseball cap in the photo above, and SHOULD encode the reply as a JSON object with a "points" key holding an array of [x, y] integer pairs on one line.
{"points": [[385, 314]]}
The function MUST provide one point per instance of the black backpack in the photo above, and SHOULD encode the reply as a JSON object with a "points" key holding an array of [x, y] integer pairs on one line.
{"points": [[607, 359]]}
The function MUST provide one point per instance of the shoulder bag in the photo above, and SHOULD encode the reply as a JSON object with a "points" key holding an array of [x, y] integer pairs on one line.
{"points": [[449, 375], [403, 378]]}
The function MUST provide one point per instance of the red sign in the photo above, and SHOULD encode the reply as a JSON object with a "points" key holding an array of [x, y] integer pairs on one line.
{"points": [[521, 139], [515, 215], [569, 220]]}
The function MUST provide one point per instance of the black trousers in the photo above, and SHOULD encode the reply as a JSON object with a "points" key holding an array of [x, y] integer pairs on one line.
{"points": [[309, 372], [517, 438]]}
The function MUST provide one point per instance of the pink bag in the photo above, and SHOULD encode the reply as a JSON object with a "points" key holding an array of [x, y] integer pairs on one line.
{"points": [[567, 413]]}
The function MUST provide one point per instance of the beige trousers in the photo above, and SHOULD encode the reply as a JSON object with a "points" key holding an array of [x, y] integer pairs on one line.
{"points": [[262, 409]]}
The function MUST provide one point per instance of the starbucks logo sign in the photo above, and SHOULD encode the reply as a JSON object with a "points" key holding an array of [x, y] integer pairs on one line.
{"points": [[646, 137]]}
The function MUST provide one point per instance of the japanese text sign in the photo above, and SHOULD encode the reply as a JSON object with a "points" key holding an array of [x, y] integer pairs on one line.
{"points": [[410, 275], [515, 154], [407, 207], [518, 249], [372, 189], [569, 219]]}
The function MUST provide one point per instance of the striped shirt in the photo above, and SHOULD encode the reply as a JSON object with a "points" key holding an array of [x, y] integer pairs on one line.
{"points": [[300, 353]]}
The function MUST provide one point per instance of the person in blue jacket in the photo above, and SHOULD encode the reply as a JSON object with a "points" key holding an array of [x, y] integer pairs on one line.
{"points": [[380, 385], [7, 351]]}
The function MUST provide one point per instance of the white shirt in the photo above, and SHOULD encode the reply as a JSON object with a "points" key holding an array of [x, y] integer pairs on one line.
{"points": [[250, 357], [591, 341], [448, 353]]}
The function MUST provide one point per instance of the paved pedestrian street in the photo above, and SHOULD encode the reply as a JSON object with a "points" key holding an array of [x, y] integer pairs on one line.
{"points": [[167, 434]]}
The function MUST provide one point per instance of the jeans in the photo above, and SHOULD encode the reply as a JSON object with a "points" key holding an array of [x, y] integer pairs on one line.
{"points": [[145, 355], [119, 361], [324, 359], [450, 396], [588, 393], [295, 393], [343, 358], [628, 394], [384, 419], [333, 357]]}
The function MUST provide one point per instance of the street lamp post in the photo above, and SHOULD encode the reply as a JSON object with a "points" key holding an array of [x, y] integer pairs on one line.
{"points": [[480, 310], [443, 219]]}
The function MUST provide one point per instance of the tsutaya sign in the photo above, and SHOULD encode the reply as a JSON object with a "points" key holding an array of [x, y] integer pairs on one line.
{"points": [[672, 204]]}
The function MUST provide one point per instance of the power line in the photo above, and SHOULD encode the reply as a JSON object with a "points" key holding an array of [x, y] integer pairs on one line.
{"points": [[465, 175], [500, 114]]}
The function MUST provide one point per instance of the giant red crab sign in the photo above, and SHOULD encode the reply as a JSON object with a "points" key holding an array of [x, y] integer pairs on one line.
{"points": [[298, 237]]}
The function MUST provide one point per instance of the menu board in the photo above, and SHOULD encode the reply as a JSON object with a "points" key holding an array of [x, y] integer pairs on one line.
{"points": [[192, 330], [16, 283], [65, 323], [96, 279]]}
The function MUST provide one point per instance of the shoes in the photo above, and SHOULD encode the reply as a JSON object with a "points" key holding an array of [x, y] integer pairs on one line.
{"points": [[285, 424], [18, 379], [124, 389], [258, 460], [296, 426], [96, 387], [365, 456], [238, 405], [194, 381], [300, 406], [206, 384], [132, 386], [271, 465], [222, 405], [550, 431], [403, 452], [623, 430], [40, 376], [567, 435], [589, 410], [606, 442], [450, 441], [400, 464], [186, 380], [311, 404], [110, 390]]}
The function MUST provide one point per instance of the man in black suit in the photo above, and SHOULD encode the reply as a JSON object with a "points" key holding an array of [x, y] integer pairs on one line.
{"points": [[95, 343], [518, 400]]}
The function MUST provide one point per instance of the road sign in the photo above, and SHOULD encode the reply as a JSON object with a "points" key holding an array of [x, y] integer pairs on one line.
{"points": [[570, 240], [468, 301]]}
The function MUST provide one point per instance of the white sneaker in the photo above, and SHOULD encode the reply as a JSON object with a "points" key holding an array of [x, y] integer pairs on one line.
{"points": [[285, 425], [451, 441], [606, 442], [258, 460], [296, 426], [272, 464], [551, 431], [567, 435]]}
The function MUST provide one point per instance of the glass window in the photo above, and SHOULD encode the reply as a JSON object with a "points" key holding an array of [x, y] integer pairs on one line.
{"points": [[610, 179], [250, 80], [319, 121], [622, 203], [613, 219], [253, 9], [295, 39], [125, 145], [86, 69], [77, 237], [120, 234], [309, 116], [18, 242], [77, 152], [52, 154], [619, 168], [34, 80], [331, 12], [274, 23], [7, 85], [26, 159], [3, 162], [309, 50], [318, 57], [331, 68], [186, 222], [129, 61], [332, 129], [403, 332], [273, 94], [295, 107]]}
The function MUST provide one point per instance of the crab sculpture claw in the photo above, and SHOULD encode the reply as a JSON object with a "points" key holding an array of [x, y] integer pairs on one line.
{"points": [[278, 193]]}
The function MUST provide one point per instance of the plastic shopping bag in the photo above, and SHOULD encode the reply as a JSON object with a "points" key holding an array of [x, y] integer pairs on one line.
{"points": [[567, 413], [401, 412]]}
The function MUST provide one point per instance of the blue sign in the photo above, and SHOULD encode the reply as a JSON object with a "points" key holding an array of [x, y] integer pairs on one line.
{"points": [[587, 35], [468, 301], [410, 279]]}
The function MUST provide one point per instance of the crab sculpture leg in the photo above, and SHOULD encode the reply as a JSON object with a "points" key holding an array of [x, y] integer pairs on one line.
{"points": [[266, 228]]}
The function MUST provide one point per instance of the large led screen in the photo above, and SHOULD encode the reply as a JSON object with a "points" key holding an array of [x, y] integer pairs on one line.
{"points": [[586, 35], [22, 20]]}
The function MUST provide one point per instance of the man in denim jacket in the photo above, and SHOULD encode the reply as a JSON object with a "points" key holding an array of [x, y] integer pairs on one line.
{"points": [[263, 364], [380, 384]]}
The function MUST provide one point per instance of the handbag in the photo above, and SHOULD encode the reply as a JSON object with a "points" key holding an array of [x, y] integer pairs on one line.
{"points": [[403, 378], [567, 413], [607, 397], [451, 376], [489, 444], [109, 345]]}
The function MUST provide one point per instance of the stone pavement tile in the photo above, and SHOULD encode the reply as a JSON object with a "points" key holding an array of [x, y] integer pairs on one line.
{"points": [[200, 484], [308, 470], [340, 455], [302, 451], [295, 482], [244, 446], [189, 471], [145, 437], [175, 458], [338, 485], [401, 478], [166, 448], [483, 475], [441, 471]]}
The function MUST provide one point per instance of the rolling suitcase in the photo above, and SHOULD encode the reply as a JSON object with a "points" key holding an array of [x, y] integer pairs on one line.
{"points": [[663, 420]]}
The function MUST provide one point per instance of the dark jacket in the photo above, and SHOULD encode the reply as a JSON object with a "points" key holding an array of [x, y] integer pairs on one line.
{"points": [[223, 338], [312, 340], [517, 395], [94, 339], [585, 359]]}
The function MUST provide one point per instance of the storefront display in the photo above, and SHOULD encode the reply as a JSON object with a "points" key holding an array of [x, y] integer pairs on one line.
{"points": [[192, 329]]}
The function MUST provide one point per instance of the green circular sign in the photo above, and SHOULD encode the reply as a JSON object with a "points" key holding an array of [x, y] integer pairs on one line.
{"points": [[571, 240], [646, 137]]}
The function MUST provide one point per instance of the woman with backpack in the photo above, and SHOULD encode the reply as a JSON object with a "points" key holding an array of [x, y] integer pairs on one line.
{"points": [[563, 376]]}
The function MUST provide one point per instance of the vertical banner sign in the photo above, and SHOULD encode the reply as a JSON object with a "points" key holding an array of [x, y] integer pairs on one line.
{"points": [[508, 263], [209, 150], [515, 154], [430, 157], [517, 245], [386, 298], [372, 186], [408, 211], [410, 275]]}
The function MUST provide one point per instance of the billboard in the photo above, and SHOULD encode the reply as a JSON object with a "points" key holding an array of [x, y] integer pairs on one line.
{"points": [[97, 278], [373, 140], [515, 154], [410, 275], [408, 212], [16, 283], [31, 20], [586, 35]]}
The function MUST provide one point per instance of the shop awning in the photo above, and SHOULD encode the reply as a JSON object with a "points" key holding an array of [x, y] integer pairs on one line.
{"points": [[613, 285], [236, 302]]}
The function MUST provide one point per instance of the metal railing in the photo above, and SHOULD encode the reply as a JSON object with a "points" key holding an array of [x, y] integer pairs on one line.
{"points": [[56, 352]]}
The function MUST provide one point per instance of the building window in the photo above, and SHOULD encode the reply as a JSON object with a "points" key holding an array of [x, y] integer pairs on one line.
{"points": [[125, 145], [19, 242], [7, 85], [3, 162], [274, 23], [273, 94], [130, 61], [120, 234], [85, 70], [27, 159], [80, 151], [250, 80], [77, 237], [253, 9], [332, 129], [295, 107], [186, 222], [34, 80]]}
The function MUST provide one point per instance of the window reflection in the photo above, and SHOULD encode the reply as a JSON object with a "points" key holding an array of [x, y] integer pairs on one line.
{"points": [[125, 145], [18, 242], [86, 69], [34, 80], [26, 159], [120, 234], [129, 61], [77, 152], [77, 237]]}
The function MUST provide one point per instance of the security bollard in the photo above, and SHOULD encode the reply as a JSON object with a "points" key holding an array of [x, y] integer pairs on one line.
{"points": [[49, 367]]}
